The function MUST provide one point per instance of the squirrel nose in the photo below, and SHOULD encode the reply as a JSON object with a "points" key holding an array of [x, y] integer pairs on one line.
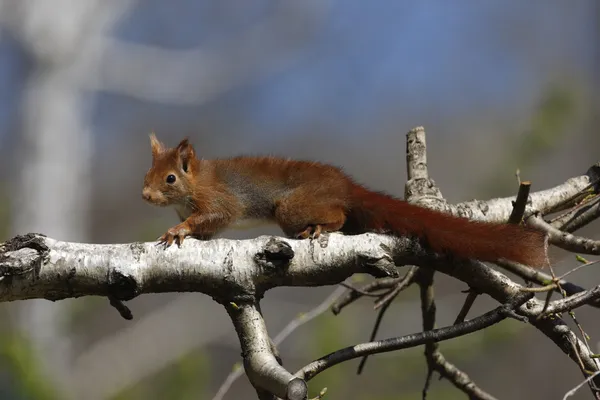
{"points": [[146, 194]]}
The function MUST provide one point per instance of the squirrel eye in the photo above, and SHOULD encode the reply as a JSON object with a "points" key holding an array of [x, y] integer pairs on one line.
{"points": [[171, 178]]}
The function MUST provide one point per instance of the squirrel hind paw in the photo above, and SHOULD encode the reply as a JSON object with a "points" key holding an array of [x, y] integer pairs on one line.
{"points": [[311, 232]]}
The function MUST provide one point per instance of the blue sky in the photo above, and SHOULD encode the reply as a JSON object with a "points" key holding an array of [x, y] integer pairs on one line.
{"points": [[410, 57]]}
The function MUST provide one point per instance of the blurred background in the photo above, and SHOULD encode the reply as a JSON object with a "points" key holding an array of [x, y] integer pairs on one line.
{"points": [[498, 85]]}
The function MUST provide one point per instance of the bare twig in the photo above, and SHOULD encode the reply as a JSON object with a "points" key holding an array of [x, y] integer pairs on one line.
{"points": [[471, 296], [359, 290], [435, 359], [459, 378], [428, 310], [378, 320], [544, 201], [436, 335], [565, 240], [579, 216], [404, 283], [520, 203], [385, 302], [576, 388], [574, 198], [557, 284], [541, 278], [574, 301], [307, 317], [577, 268], [123, 310], [353, 295]]}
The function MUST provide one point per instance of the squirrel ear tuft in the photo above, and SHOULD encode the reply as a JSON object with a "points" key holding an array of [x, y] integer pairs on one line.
{"points": [[157, 147], [186, 153]]}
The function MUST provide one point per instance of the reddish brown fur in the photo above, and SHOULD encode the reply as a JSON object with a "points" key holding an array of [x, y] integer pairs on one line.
{"points": [[307, 198], [445, 233]]}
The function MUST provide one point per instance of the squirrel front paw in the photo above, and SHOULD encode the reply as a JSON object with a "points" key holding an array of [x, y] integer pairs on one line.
{"points": [[175, 234]]}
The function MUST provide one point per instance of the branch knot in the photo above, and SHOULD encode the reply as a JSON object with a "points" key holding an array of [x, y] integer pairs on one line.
{"points": [[10, 266], [122, 286], [276, 255]]}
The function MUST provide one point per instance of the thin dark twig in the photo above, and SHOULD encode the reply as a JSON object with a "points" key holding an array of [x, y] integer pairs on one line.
{"points": [[585, 372], [416, 339], [546, 303], [584, 335], [520, 203], [542, 278], [123, 310], [352, 295], [360, 291], [435, 359], [579, 216], [471, 296], [378, 320], [428, 310], [572, 391], [574, 301], [571, 312], [541, 289], [405, 282], [557, 285], [582, 193], [587, 264]]}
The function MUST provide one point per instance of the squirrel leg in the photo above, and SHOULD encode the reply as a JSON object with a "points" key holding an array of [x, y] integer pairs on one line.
{"points": [[201, 226], [310, 219]]}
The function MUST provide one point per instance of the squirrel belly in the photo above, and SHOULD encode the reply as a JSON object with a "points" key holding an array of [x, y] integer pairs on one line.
{"points": [[308, 198], [248, 223]]}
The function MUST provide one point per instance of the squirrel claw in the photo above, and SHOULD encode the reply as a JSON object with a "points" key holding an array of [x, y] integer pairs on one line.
{"points": [[176, 234], [311, 231]]}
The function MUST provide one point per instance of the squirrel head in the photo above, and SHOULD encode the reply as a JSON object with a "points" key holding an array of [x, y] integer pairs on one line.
{"points": [[170, 179]]}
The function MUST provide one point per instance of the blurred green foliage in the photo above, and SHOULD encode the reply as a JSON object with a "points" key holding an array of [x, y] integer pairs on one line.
{"points": [[185, 379], [548, 126], [82, 308], [557, 109], [328, 335], [20, 361]]}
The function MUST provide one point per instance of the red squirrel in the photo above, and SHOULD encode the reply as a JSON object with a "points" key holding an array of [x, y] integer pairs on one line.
{"points": [[308, 198]]}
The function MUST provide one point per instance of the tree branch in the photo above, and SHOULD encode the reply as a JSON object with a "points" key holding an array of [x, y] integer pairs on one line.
{"points": [[579, 216], [262, 367], [281, 336], [565, 240], [544, 201], [433, 336]]}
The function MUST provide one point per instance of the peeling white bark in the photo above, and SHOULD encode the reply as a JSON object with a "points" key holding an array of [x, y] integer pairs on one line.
{"points": [[221, 268]]}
